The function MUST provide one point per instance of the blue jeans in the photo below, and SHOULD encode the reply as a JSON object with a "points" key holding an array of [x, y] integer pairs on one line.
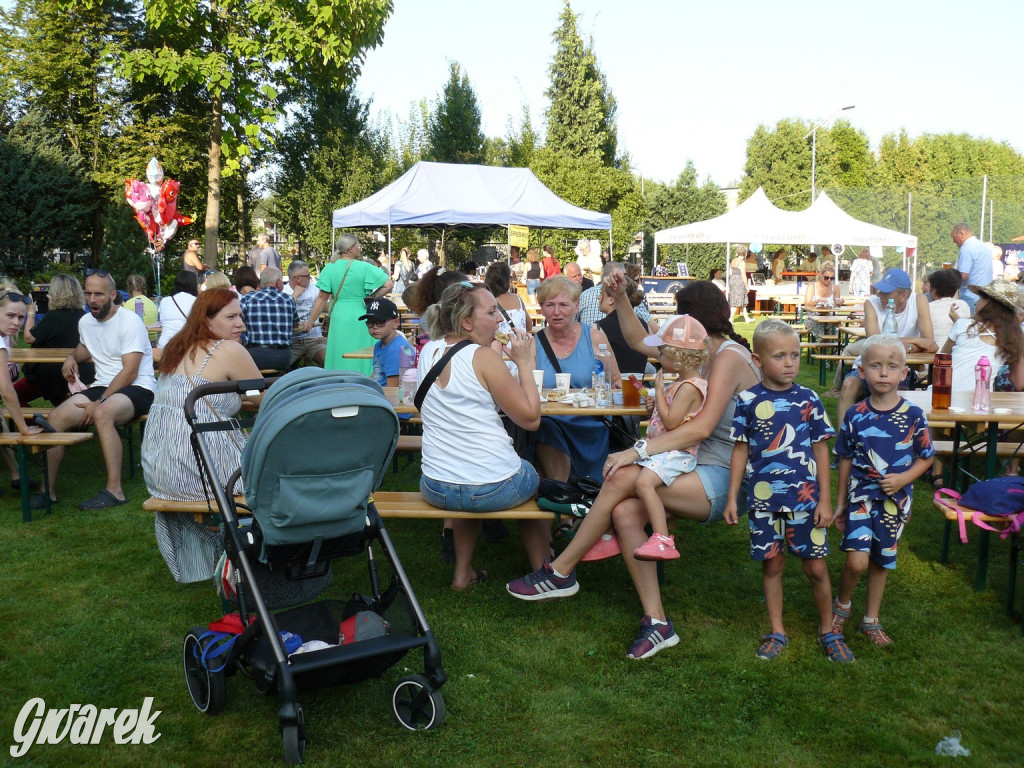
{"points": [[531, 287], [489, 497]]}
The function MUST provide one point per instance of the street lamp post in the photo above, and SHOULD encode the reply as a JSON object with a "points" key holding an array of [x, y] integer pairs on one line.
{"points": [[813, 133]]}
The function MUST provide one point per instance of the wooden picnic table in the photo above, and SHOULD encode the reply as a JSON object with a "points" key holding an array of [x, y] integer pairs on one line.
{"points": [[39, 354], [547, 407], [1006, 413]]}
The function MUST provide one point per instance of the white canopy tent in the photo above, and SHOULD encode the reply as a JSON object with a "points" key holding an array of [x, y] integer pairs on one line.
{"points": [[757, 220], [434, 194]]}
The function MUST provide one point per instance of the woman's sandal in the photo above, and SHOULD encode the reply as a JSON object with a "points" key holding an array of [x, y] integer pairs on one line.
{"points": [[479, 577], [937, 480]]}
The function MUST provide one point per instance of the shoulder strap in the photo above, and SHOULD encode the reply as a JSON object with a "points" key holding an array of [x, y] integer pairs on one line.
{"points": [[548, 350], [428, 380]]}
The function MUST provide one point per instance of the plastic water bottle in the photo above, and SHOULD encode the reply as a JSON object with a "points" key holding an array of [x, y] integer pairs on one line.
{"points": [[889, 324], [982, 384], [407, 373], [140, 310], [602, 362]]}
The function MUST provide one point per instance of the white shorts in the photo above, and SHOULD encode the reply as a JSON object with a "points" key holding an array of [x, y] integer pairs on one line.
{"points": [[668, 466]]}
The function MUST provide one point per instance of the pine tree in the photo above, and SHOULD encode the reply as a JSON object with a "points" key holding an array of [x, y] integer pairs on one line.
{"points": [[454, 133], [581, 118]]}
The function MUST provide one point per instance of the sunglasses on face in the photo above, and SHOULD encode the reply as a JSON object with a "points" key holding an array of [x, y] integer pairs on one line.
{"points": [[22, 297], [376, 323], [827, 278]]}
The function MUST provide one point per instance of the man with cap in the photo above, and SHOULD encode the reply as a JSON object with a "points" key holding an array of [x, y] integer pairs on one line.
{"points": [[913, 327], [974, 262], [382, 322]]}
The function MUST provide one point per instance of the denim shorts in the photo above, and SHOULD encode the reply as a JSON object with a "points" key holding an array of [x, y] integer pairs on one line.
{"points": [[489, 497], [715, 480]]}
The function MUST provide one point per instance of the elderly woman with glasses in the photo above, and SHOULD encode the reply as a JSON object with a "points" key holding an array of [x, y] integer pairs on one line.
{"points": [[344, 285], [469, 463], [569, 444], [823, 293]]}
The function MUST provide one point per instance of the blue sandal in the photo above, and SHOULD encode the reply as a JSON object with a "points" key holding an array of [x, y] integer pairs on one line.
{"points": [[836, 648], [773, 646]]}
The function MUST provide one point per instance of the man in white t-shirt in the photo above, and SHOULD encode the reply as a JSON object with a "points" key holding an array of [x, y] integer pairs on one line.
{"points": [[118, 344], [311, 345]]}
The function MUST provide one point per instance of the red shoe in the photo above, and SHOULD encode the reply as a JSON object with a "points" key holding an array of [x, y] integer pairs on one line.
{"points": [[657, 547], [605, 547]]}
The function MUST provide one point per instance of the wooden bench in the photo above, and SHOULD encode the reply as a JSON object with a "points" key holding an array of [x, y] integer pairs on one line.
{"points": [[125, 429], [408, 505], [949, 509], [37, 444]]}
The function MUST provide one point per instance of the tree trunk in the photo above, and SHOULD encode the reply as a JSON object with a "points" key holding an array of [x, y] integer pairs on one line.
{"points": [[242, 224], [213, 182]]}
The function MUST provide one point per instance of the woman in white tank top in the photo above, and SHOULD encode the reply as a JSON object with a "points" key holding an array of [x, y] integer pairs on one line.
{"points": [[469, 463]]}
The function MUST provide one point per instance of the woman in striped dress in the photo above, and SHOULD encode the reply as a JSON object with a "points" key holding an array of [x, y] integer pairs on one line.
{"points": [[205, 350]]}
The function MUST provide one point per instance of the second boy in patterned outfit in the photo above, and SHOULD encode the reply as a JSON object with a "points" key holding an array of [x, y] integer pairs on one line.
{"points": [[883, 447], [781, 432]]}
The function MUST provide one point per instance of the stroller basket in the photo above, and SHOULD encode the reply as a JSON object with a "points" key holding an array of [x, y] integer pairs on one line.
{"points": [[319, 447]]}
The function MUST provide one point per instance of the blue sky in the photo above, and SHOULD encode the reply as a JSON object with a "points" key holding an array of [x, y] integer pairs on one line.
{"points": [[694, 79]]}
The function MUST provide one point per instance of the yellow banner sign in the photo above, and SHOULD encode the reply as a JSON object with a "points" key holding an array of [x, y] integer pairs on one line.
{"points": [[518, 236]]}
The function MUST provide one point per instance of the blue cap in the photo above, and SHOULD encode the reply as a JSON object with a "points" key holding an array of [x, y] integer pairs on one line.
{"points": [[893, 280]]}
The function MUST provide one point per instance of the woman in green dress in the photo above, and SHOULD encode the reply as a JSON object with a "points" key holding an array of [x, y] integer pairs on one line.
{"points": [[353, 280]]}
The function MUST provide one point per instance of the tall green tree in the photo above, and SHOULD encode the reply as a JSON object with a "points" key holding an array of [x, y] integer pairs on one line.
{"points": [[779, 160], [581, 118], [454, 133], [46, 198], [240, 57], [684, 201], [329, 156]]}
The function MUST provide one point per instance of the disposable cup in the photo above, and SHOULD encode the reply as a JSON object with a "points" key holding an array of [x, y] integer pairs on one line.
{"points": [[562, 382], [538, 379]]}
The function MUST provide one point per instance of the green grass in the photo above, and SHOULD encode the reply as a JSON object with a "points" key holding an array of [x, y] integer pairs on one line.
{"points": [[91, 615]]}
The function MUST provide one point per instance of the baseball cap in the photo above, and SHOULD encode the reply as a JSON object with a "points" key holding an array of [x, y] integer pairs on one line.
{"points": [[894, 279], [380, 310], [679, 331]]}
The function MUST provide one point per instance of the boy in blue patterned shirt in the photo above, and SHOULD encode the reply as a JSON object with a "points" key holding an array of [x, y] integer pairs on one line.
{"points": [[781, 432], [883, 447]]}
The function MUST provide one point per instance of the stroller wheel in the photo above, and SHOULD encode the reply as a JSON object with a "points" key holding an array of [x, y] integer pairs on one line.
{"points": [[206, 688], [294, 737], [415, 706]]}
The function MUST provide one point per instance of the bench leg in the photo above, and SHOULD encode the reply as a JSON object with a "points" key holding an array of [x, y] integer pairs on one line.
{"points": [[1011, 580], [944, 554], [26, 510]]}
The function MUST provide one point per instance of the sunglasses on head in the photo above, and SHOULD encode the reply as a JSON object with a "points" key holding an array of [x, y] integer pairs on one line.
{"points": [[97, 272], [22, 297]]}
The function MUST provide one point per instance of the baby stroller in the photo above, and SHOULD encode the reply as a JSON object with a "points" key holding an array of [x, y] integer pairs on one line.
{"points": [[318, 448]]}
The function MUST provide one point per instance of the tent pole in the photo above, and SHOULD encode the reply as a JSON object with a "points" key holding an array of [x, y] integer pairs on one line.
{"points": [[389, 242]]}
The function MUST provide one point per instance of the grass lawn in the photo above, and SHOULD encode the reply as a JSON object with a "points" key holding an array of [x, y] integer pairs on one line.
{"points": [[90, 615]]}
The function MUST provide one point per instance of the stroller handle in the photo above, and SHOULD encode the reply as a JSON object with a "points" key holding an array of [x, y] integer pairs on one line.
{"points": [[241, 386]]}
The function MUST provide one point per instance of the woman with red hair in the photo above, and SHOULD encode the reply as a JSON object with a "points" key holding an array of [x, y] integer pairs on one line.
{"points": [[206, 350]]}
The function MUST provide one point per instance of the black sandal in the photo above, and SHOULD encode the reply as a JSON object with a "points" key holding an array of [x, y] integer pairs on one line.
{"points": [[937, 480]]}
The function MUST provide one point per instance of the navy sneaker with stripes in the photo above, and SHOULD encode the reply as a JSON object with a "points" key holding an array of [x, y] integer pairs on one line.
{"points": [[652, 638], [543, 584]]}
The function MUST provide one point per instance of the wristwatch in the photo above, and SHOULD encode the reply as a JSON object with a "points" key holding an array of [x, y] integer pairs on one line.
{"points": [[640, 446]]}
